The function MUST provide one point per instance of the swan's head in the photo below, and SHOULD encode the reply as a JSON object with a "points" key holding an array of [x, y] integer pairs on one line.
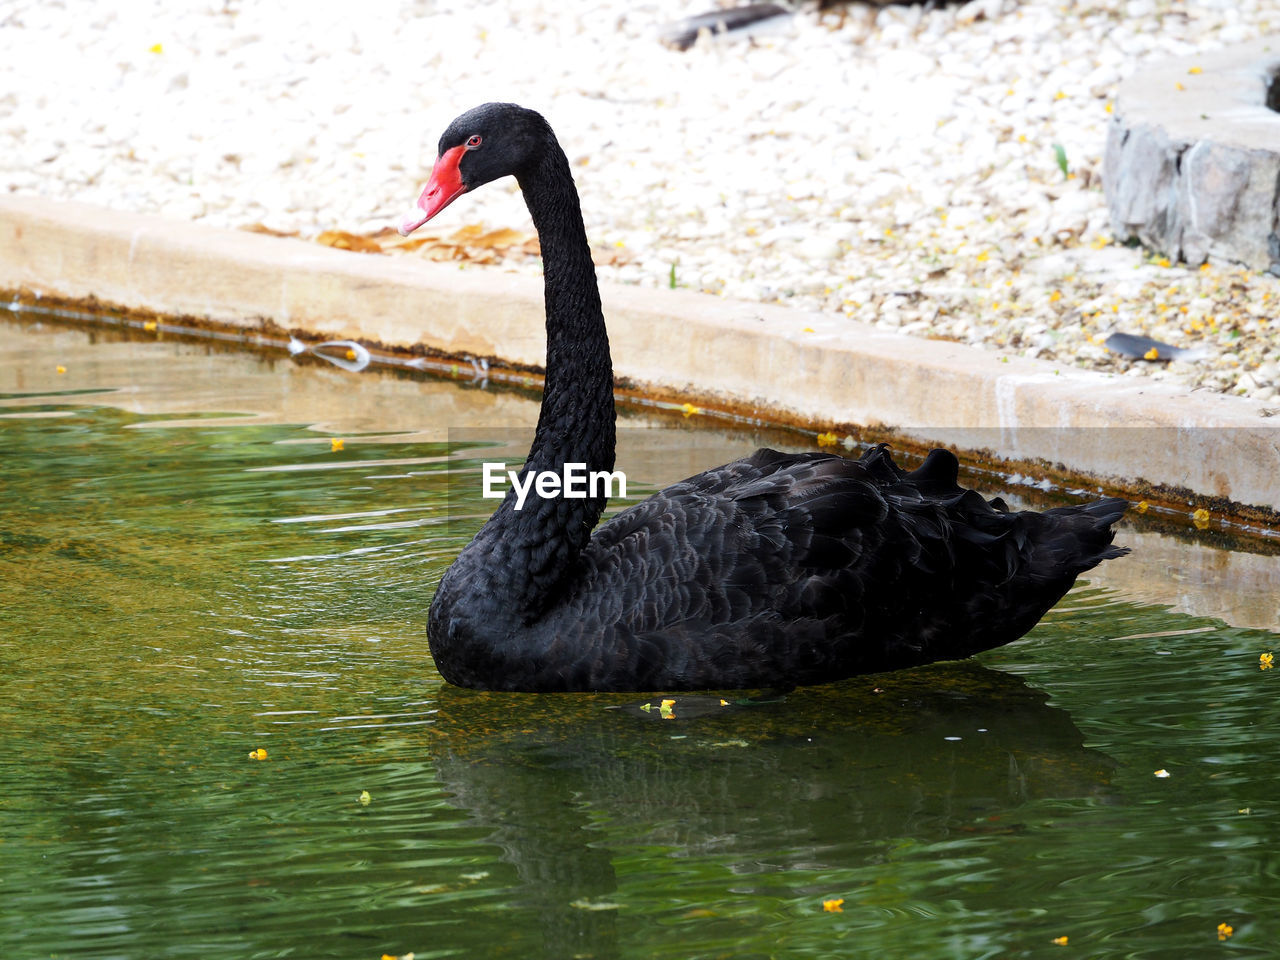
{"points": [[490, 141]]}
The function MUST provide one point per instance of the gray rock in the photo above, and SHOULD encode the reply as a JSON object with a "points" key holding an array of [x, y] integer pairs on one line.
{"points": [[1192, 164]]}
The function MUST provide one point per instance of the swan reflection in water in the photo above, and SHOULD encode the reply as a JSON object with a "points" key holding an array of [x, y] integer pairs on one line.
{"points": [[824, 779]]}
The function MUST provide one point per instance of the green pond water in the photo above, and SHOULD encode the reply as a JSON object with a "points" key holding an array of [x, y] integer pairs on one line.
{"points": [[190, 572]]}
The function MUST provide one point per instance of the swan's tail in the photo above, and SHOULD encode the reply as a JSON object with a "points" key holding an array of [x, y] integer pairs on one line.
{"points": [[1081, 537]]}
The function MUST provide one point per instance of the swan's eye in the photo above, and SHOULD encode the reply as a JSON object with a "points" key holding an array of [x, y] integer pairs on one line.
{"points": [[475, 141]]}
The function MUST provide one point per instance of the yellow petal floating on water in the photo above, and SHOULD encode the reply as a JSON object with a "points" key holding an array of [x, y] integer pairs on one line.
{"points": [[1143, 506], [1266, 661], [1162, 773], [689, 409], [724, 703], [827, 439], [364, 797], [665, 710], [336, 444], [833, 906], [61, 369], [1195, 70], [1225, 930], [156, 48], [149, 326], [258, 754], [1060, 941], [1200, 518]]}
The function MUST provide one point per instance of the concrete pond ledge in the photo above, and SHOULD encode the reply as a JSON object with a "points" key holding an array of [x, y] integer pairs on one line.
{"points": [[1130, 434], [1192, 164]]}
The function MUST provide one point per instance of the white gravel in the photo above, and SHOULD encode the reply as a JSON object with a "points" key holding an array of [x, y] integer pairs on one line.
{"points": [[890, 164]]}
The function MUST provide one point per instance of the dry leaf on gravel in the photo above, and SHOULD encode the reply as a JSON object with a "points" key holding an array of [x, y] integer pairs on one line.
{"points": [[349, 241], [269, 231], [473, 243]]}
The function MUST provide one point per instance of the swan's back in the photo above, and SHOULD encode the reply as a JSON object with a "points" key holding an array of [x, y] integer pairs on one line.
{"points": [[786, 569]]}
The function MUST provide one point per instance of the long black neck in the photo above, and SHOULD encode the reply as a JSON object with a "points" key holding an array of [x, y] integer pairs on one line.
{"points": [[576, 423], [542, 541]]}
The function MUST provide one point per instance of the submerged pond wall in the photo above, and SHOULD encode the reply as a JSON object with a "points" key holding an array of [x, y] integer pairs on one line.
{"points": [[770, 362]]}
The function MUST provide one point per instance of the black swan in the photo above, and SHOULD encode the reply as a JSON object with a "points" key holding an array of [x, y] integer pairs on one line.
{"points": [[774, 571]]}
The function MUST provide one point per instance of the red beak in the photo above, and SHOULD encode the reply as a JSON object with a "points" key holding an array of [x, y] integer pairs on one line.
{"points": [[442, 189]]}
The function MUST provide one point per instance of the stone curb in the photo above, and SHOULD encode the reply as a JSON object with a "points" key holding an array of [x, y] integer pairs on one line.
{"points": [[763, 360], [1192, 165]]}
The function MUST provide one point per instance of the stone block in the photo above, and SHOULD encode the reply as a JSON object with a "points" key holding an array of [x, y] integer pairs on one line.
{"points": [[1192, 163]]}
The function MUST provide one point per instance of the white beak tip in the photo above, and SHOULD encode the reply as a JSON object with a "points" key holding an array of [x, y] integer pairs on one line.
{"points": [[413, 218]]}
